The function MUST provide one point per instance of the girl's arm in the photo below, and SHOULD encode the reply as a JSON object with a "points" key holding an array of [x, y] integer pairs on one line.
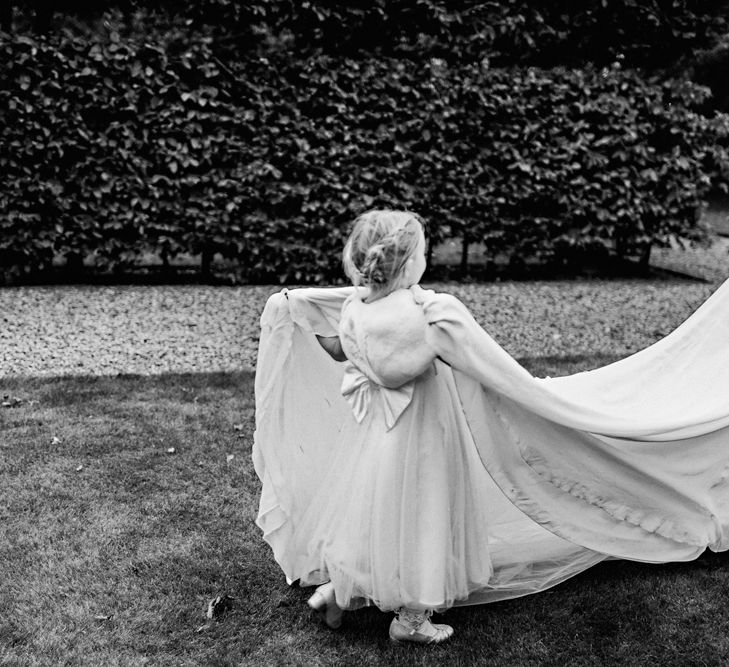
{"points": [[332, 346]]}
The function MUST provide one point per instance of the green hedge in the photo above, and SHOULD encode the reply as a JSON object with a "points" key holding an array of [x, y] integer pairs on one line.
{"points": [[647, 33], [117, 147], [587, 161]]}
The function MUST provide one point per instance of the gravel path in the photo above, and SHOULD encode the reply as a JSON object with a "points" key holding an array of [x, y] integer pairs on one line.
{"points": [[711, 263], [88, 330], [48, 331], [128, 329]]}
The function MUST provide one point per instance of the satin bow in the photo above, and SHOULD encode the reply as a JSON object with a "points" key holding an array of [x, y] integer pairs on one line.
{"points": [[358, 389]]}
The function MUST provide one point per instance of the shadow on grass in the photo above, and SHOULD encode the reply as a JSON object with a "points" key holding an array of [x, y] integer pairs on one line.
{"points": [[554, 366], [127, 503]]}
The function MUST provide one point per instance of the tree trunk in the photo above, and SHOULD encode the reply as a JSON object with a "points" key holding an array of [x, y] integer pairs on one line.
{"points": [[206, 263], [645, 255], [464, 254], [74, 265]]}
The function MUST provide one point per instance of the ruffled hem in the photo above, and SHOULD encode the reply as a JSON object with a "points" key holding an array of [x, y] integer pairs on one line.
{"points": [[569, 508], [351, 595], [650, 522]]}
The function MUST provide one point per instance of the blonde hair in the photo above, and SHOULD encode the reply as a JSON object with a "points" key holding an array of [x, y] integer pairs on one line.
{"points": [[379, 246]]}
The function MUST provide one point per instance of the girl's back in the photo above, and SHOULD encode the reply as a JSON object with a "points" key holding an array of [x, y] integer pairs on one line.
{"points": [[386, 339]]}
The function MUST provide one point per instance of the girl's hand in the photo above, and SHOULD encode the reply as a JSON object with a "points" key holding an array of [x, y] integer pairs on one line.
{"points": [[332, 346]]}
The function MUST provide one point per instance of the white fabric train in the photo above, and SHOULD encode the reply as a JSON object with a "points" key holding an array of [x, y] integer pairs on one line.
{"points": [[630, 460]]}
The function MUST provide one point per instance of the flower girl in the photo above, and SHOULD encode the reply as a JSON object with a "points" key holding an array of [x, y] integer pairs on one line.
{"points": [[414, 465], [399, 521]]}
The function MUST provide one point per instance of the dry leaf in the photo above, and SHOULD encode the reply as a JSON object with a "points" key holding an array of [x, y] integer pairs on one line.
{"points": [[10, 401], [55, 440], [238, 427], [79, 468], [219, 605], [170, 450], [230, 457]]}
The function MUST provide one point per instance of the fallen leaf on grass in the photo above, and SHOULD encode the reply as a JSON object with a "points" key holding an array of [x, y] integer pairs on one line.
{"points": [[79, 468], [230, 457], [55, 440], [219, 605], [202, 628], [170, 450], [101, 617], [10, 401], [238, 427]]}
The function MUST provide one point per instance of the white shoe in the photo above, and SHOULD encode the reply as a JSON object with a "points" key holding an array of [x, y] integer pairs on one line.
{"points": [[324, 602], [409, 626]]}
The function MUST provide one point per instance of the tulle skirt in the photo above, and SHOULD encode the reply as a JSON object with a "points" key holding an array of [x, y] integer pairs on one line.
{"points": [[406, 517], [400, 519], [492, 484]]}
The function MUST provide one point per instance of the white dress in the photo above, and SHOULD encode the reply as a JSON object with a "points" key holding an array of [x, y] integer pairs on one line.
{"points": [[401, 517], [432, 470]]}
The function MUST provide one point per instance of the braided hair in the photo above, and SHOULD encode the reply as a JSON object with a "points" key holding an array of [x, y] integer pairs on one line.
{"points": [[379, 246]]}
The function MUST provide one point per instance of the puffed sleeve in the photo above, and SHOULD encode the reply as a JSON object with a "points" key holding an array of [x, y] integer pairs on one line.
{"points": [[459, 340]]}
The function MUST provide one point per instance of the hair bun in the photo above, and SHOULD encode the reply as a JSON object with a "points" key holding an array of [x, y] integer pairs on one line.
{"points": [[373, 265], [379, 247]]}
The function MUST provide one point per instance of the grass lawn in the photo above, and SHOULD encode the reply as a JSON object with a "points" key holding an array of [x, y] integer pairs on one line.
{"points": [[111, 547]]}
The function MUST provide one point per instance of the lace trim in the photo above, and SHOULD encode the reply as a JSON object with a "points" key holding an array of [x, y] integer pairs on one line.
{"points": [[413, 620]]}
